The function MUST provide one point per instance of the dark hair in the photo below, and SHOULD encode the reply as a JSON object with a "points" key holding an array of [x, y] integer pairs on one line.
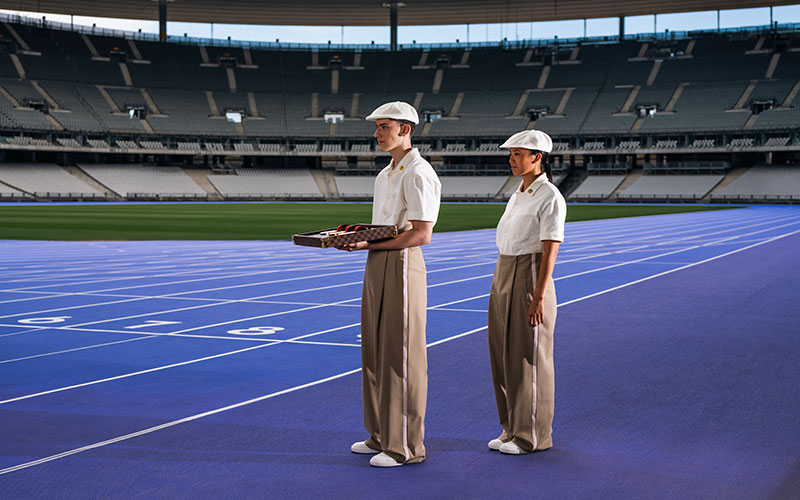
{"points": [[546, 168], [410, 124]]}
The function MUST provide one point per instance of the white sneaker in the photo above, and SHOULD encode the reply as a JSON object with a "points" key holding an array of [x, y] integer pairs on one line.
{"points": [[383, 460], [495, 444], [511, 448], [362, 448]]}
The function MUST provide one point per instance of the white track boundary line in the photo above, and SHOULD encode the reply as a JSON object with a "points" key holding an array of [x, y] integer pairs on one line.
{"points": [[358, 282], [205, 414], [175, 365], [219, 302], [644, 259], [340, 375], [73, 350]]}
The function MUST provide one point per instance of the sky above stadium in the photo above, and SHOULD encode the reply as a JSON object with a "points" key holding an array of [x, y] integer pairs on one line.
{"points": [[708, 20]]}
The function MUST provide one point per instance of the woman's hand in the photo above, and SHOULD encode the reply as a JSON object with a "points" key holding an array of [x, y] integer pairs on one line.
{"points": [[535, 310]]}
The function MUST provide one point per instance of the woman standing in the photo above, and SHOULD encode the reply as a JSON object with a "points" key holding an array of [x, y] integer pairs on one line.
{"points": [[522, 303]]}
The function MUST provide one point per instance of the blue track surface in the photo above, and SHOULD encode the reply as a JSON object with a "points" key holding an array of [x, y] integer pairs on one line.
{"points": [[230, 369]]}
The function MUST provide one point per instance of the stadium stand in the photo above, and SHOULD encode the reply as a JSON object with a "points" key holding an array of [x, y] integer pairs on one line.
{"points": [[471, 188], [355, 187], [267, 184], [142, 182], [706, 104], [670, 188], [151, 144], [7, 193], [596, 187], [46, 182], [763, 184]]}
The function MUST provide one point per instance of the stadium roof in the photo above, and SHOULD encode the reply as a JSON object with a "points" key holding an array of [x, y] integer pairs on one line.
{"points": [[373, 13]]}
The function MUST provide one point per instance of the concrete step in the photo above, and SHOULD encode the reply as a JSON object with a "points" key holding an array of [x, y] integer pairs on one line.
{"points": [[437, 81], [251, 100], [746, 94], [126, 75], [16, 36], [792, 94], [89, 45], [729, 178], [335, 81], [625, 184], [675, 96], [94, 183], [457, 104], [10, 97], [543, 77], [631, 98], [231, 79], [523, 98], [200, 177], [134, 50], [212, 103], [510, 182], [107, 97], [563, 102], [326, 182], [773, 63], [17, 65], [654, 72], [150, 102], [751, 120]]}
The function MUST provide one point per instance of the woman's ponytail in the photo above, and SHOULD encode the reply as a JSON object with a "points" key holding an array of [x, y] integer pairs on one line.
{"points": [[546, 168]]}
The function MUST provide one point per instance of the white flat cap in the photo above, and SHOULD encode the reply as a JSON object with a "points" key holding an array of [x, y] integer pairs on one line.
{"points": [[530, 139], [397, 110]]}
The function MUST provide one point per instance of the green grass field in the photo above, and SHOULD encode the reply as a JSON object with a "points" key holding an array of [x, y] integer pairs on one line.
{"points": [[251, 221]]}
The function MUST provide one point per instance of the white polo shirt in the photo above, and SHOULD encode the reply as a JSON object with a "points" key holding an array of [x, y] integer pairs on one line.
{"points": [[410, 191], [531, 216]]}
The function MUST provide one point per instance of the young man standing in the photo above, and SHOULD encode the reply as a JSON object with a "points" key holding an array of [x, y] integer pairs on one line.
{"points": [[394, 298]]}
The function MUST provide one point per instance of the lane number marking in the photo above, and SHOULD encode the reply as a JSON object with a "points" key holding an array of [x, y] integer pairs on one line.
{"points": [[257, 330], [44, 321]]}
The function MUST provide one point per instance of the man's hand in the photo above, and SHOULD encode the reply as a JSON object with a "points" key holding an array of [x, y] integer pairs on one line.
{"points": [[349, 247]]}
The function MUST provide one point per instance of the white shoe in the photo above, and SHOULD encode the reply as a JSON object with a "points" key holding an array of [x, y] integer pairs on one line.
{"points": [[383, 460], [495, 444], [511, 448], [362, 448]]}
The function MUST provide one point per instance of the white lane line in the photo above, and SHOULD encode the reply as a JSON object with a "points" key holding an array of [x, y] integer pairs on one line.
{"points": [[173, 365], [256, 299], [358, 282], [237, 275], [191, 418], [694, 247], [140, 333], [454, 309], [73, 350], [132, 374], [775, 238], [178, 294]]}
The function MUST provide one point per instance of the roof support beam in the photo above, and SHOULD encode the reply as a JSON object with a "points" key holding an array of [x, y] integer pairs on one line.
{"points": [[393, 26], [162, 20]]}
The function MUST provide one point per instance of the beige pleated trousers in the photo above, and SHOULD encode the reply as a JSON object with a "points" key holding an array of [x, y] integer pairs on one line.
{"points": [[522, 356], [393, 353]]}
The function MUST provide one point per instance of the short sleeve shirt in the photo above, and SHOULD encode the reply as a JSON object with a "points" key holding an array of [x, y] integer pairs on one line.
{"points": [[410, 191], [532, 216]]}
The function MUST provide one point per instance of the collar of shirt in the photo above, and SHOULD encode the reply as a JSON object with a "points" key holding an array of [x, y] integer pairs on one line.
{"points": [[535, 185], [404, 161]]}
